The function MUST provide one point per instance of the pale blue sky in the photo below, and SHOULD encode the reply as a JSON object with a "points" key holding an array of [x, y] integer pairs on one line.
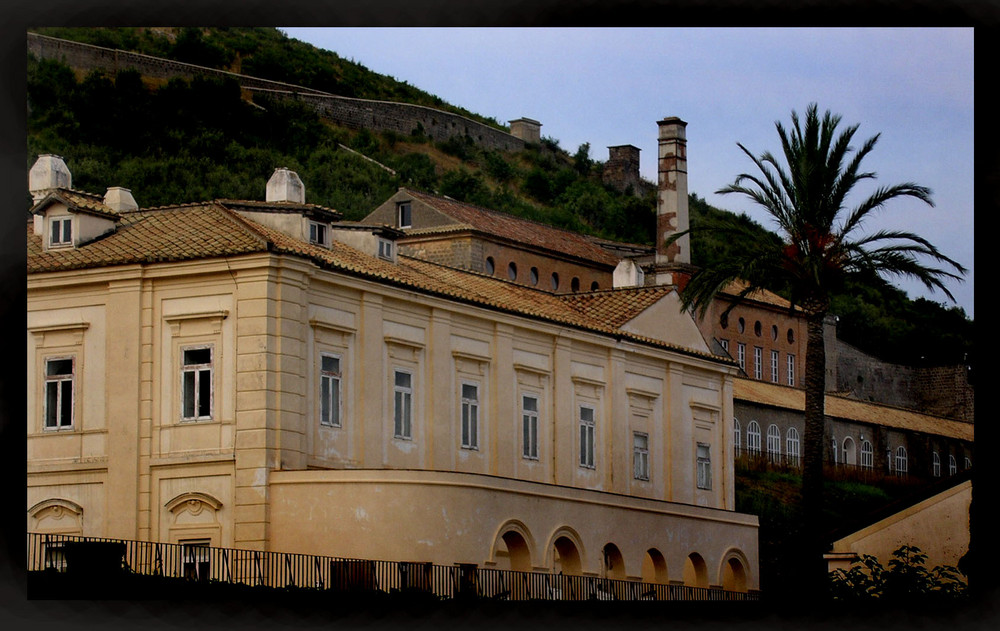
{"points": [[609, 86]]}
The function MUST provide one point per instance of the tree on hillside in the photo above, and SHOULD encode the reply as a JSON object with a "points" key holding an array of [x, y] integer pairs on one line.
{"points": [[821, 245]]}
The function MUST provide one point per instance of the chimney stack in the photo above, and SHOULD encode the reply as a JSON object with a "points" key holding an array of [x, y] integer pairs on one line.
{"points": [[48, 172], [526, 129], [120, 199], [285, 186], [672, 193]]}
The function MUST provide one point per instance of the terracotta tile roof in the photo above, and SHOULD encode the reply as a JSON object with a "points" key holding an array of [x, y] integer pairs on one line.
{"points": [[150, 236], [516, 229], [851, 409], [616, 306], [209, 229], [762, 296], [79, 201]]}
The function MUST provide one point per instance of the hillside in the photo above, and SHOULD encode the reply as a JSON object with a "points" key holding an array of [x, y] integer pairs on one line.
{"points": [[178, 141]]}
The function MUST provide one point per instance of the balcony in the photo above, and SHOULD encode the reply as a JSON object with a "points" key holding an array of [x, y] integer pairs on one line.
{"points": [[112, 562]]}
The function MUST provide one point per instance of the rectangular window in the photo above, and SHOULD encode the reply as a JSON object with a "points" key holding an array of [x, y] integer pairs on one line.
{"points": [[529, 427], [758, 359], [317, 233], [403, 404], [774, 366], [704, 467], [741, 355], [58, 392], [329, 386], [404, 215], [791, 369], [385, 249], [196, 560], [587, 436], [724, 344], [196, 383], [61, 231], [470, 416], [640, 456]]}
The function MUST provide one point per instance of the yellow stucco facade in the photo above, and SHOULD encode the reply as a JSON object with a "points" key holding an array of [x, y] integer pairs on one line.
{"points": [[294, 397]]}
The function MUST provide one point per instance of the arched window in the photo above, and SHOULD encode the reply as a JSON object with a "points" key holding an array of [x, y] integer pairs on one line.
{"points": [[833, 448], [792, 445], [574, 284], [952, 465], [850, 458], [555, 281], [936, 465], [753, 437], [867, 455], [901, 460], [736, 436], [490, 265], [533, 276], [968, 463], [512, 270], [773, 443]]}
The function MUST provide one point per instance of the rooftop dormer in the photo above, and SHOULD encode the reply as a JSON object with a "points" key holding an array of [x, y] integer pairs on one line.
{"points": [[65, 218]]}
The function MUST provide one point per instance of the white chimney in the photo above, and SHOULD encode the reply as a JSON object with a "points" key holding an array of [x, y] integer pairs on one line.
{"points": [[285, 186], [120, 199], [48, 172]]}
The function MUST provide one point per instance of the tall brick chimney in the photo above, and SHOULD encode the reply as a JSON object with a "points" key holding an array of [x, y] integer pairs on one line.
{"points": [[673, 264]]}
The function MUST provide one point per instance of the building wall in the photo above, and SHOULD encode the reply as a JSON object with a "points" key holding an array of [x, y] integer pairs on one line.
{"points": [[402, 118], [130, 467], [777, 331], [939, 526]]}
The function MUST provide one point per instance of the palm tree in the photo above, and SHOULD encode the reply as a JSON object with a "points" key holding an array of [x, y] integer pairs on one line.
{"points": [[820, 243]]}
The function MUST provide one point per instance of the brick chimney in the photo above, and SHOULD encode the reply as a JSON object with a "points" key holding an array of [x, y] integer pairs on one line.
{"points": [[285, 186], [48, 172], [672, 193]]}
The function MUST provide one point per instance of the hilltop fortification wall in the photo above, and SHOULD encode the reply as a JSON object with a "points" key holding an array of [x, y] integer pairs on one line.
{"points": [[402, 118]]}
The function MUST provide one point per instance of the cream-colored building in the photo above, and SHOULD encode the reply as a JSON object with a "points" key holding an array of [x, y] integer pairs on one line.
{"points": [[258, 374]]}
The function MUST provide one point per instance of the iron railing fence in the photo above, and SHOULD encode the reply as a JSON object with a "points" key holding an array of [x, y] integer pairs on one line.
{"points": [[71, 553]]}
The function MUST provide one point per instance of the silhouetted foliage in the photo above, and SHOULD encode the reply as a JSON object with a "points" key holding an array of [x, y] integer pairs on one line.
{"points": [[906, 580]]}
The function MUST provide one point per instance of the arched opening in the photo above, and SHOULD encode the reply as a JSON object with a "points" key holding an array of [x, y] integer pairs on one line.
{"points": [[513, 552], [614, 564], [695, 571], [654, 567], [565, 556], [850, 454], [734, 576]]}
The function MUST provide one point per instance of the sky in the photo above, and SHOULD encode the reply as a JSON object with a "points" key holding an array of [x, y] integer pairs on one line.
{"points": [[610, 86]]}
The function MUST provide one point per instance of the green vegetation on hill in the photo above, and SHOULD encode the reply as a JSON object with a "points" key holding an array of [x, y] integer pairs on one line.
{"points": [[180, 141]]}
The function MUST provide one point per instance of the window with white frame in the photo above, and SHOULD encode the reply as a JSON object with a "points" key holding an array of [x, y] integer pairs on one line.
{"points": [[329, 390], [402, 404], [902, 464], [753, 437], [774, 366], [867, 455], [404, 215], [470, 416], [792, 445], [741, 355], [529, 426], [968, 463], [952, 465], [385, 249], [587, 427], [317, 233], [640, 456], [704, 464], [61, 231], [791, 369], [758, 359], [773, 442], [196, 383], [736, 436], [724, 344], [59, 392], [935, 465]]}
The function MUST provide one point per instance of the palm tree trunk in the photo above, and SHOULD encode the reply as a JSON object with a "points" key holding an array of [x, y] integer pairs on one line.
{"points": [[814, 570]]}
